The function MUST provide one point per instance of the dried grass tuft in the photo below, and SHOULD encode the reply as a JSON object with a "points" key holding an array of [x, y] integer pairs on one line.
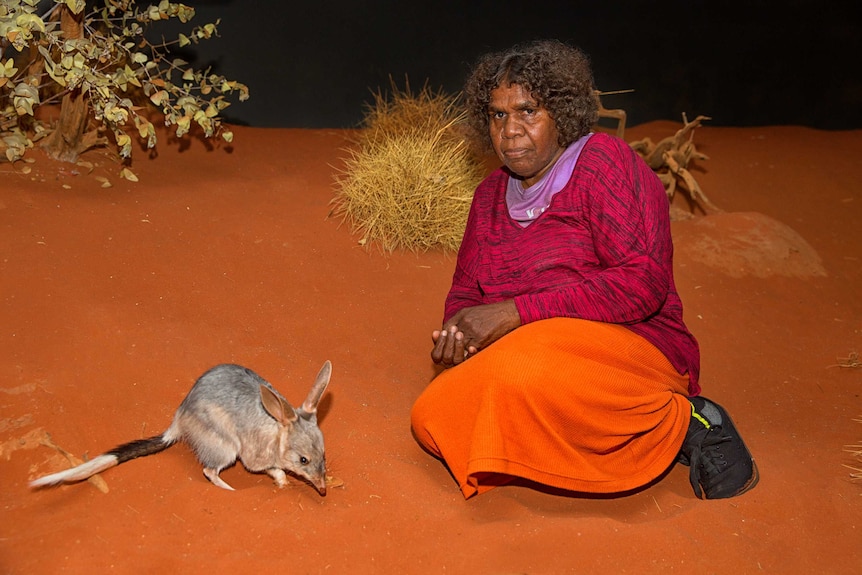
{"points": [[403, 111], [409, 181]]}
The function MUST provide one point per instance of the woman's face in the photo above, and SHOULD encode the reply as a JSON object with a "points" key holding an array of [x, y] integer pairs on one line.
{"points": [[523, 134]]}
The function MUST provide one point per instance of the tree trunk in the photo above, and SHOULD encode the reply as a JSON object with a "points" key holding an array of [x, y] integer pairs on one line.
{"points": [[70, 138]]}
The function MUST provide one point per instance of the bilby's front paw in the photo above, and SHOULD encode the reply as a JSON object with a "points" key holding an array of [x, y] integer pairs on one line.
{"points": [[279, 476]]}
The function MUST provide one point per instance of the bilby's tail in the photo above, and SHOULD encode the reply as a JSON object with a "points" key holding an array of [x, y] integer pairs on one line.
{"points": [[112, 458]]}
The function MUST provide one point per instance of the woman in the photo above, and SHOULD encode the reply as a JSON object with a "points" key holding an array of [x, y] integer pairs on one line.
{"points": [[569, 362]]}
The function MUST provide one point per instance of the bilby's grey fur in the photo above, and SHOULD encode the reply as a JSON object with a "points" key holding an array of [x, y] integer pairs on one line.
{"points": [[232, 413]]}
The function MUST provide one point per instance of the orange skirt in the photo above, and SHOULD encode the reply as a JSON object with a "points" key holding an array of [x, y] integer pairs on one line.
{"points": [[573, 404]]}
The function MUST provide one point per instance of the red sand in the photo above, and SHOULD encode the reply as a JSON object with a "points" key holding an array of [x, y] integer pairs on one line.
{"points": [[114, 300]]}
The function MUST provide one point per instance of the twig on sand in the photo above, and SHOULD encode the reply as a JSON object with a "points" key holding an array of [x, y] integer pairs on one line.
{"points": [[95, 480], [852, 360], [856, 450]]}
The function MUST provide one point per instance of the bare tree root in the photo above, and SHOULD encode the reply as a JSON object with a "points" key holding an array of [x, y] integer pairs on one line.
{"points": [[670, 159]]}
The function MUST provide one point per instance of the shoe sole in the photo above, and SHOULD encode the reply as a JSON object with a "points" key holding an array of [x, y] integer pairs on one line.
{"points": [[755, 477]]}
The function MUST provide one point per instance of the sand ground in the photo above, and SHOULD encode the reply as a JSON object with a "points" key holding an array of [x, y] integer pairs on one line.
{"points": [[114, 300]]}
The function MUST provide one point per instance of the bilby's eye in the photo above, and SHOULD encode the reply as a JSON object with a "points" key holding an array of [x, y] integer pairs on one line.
{"points": [[303, 460]]}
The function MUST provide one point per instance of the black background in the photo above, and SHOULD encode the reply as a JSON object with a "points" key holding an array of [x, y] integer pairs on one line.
{"points": [[317, 64]]}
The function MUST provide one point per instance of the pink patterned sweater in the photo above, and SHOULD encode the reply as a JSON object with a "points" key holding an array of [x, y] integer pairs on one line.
{"points": [[602, 251]]}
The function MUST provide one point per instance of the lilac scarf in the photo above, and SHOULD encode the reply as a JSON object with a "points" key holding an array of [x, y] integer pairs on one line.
{"points": [[525, 205]]}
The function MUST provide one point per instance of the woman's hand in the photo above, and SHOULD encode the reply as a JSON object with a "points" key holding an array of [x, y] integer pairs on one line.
{"points": [[472, 329], [449, 347]]}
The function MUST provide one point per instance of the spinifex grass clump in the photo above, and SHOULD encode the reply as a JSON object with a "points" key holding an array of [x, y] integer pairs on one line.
{"points": [[409, 180]]}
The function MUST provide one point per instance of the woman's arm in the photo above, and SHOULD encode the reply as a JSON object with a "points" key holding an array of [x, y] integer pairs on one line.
{"points": [[628, 217]]}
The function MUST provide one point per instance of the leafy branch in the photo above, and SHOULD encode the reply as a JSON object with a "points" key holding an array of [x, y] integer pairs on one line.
{"points": [[103, 69]]}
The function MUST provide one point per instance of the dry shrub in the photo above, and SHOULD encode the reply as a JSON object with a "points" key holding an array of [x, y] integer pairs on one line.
{"points": [[409, 180], [404, 111]]}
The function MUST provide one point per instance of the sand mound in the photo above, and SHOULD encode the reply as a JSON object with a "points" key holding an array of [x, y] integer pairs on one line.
{"points": [[747, 244]]}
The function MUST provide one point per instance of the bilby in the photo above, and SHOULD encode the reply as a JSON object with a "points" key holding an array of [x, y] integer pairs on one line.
{"points": [[231, 414]]}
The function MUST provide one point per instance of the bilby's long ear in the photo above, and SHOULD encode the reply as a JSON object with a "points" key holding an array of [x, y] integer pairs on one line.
{"points": [[309, 406], [276, 407]]}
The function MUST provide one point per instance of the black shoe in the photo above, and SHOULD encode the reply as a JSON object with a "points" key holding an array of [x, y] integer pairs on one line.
{"points": [[721, 465]]}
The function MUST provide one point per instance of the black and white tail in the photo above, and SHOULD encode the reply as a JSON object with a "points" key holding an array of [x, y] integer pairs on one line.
{"points": [[112, 458]]}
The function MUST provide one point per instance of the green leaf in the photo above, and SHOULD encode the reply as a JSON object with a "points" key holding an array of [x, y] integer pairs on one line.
{"points": [[76, 6], [159, 97], [183, 125], [60, 79], [131, 76], [116, 114], [24, 97], [29, 22], [144, 126], [185, 13], [128, 174], [8, 69]]}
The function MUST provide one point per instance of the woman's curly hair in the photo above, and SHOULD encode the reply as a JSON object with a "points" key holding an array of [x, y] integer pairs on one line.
{"points": [[557, 75]]}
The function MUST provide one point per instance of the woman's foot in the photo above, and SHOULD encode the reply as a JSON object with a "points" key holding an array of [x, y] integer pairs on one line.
{"points": [[721, 465]]}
